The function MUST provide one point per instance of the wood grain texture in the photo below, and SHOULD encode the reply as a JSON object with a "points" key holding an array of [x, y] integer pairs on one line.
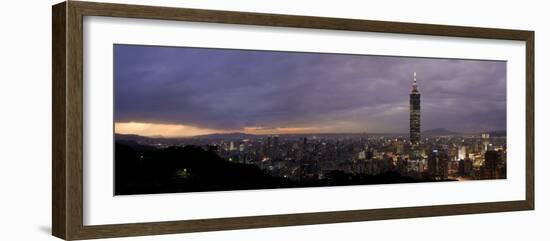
{"points": [[58, 121], [121, 230], [74, 108], [280, 20], [530, 120], [67, 196]]}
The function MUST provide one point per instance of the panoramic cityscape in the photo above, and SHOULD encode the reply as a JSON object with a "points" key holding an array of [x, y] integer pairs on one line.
{"points": [[256, 123]]}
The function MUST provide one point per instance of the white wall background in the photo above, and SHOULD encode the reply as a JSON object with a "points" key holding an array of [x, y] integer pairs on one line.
{"points": [[25, 119]]}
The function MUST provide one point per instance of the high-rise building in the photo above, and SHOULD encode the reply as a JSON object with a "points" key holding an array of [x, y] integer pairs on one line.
{"points": [[438, 164], [398, 147], [485, 137], [414, 117], [462, 153], [414, 113], [491, 165], [362, 155], [465, 167]]}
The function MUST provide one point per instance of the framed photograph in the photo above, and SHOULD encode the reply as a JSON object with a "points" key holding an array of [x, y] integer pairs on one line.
{"points": [[171, 120]]}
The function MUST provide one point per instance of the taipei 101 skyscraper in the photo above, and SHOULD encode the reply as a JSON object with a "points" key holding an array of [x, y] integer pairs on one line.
{"points": [[414, 116]]}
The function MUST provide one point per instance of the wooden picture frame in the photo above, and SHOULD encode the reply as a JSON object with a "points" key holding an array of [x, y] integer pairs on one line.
{"points": [[67, 124]]}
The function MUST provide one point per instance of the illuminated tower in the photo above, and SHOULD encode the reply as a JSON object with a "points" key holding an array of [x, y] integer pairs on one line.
{"points": [[485, 137], [414, 116]]}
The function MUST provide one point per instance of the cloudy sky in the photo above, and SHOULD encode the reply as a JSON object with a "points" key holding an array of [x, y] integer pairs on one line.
{"points": [[172, 92]]}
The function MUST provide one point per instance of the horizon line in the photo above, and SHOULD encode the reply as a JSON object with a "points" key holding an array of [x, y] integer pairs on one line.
{"points": [[320, 133]]}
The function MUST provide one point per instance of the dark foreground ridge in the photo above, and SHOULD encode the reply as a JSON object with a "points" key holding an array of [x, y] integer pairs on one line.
{"points": [[141, 169]]}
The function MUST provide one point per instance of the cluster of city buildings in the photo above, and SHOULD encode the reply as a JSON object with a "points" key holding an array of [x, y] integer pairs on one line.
{"points": [[461, 157], [437, 156], [434, 157]]}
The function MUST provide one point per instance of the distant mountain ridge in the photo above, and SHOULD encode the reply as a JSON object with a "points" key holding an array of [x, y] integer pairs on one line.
{"points": [[447, 132], [500, 133], [134, 137], [240, 135], [229, 136], [439, 132]]}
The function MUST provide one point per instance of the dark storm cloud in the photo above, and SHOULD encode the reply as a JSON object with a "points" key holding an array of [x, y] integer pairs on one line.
{"points": [[232, 89]]}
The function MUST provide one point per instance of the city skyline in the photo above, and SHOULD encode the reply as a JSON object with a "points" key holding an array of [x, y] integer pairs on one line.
{"points": [[188, 92], [179, 92]]}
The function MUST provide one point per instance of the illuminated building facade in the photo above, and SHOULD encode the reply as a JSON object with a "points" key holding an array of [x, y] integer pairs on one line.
{"points": [[485, 137], [438, 165], [414, 118]]}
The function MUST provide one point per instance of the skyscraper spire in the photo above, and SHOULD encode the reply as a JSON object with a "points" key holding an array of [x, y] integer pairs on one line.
{"points": [[414, 86]]}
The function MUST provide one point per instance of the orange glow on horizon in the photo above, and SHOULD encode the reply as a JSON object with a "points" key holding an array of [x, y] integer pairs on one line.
{"points": [[164, 130], [180, 130]]}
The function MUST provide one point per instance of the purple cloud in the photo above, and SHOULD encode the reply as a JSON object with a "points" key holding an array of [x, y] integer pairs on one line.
{"points": [[230, 89]]}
